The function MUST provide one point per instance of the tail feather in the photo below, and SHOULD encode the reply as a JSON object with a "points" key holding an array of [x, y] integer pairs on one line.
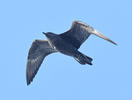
{"points": [[83, 59]]}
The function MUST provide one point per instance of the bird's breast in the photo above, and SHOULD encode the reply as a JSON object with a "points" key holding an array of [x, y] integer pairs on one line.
{"points": [[61, 45]]}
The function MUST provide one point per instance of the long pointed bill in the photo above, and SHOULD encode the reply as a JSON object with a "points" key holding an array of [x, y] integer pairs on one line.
{"points": [[95, 32]]}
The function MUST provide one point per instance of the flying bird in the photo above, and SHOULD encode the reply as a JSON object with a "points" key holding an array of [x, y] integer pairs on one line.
{"points": [[66, 43]]}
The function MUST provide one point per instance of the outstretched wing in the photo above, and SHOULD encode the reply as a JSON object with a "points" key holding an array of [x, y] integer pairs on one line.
{"points": [[79, 32], [38, 51]]}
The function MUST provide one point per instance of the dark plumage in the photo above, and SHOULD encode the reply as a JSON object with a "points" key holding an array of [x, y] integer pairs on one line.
{"points": [[66, 43]]}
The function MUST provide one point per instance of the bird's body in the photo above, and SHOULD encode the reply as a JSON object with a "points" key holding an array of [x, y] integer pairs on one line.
{"points": [[66, 43], [61, 45]]}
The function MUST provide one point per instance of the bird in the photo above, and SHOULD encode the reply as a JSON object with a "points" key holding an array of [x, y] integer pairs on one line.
{"points": [[66, 43]]}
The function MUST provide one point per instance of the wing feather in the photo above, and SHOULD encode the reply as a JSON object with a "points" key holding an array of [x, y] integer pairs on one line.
{"points": [[38, 51], [79, 32]]}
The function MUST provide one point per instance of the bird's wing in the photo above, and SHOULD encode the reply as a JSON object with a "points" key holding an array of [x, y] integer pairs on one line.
{"points": [[38, 51], [79, 32]]}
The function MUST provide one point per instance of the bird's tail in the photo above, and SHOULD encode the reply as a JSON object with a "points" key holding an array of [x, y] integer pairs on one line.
{"points": [[83, 59]]}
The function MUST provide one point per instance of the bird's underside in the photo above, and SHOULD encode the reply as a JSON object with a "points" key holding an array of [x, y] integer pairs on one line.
{"points": [[38, 51], [66, 43]]}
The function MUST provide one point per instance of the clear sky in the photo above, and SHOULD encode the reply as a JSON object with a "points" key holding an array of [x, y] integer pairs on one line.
{"points": [[60, 77]]}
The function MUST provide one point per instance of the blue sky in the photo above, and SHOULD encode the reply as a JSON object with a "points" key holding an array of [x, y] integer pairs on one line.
{"points": [[61, 77]]}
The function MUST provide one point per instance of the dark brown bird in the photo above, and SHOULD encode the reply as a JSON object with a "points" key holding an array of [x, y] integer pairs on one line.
{"points": [[66, 43]]}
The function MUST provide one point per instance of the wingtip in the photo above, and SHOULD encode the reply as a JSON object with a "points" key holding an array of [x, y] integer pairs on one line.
{"points": [[112, 42], [28, 82], [115, 44], [97, 33]]}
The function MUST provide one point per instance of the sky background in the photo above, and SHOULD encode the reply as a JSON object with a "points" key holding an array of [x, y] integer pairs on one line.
{"points": [[61, 77]]}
